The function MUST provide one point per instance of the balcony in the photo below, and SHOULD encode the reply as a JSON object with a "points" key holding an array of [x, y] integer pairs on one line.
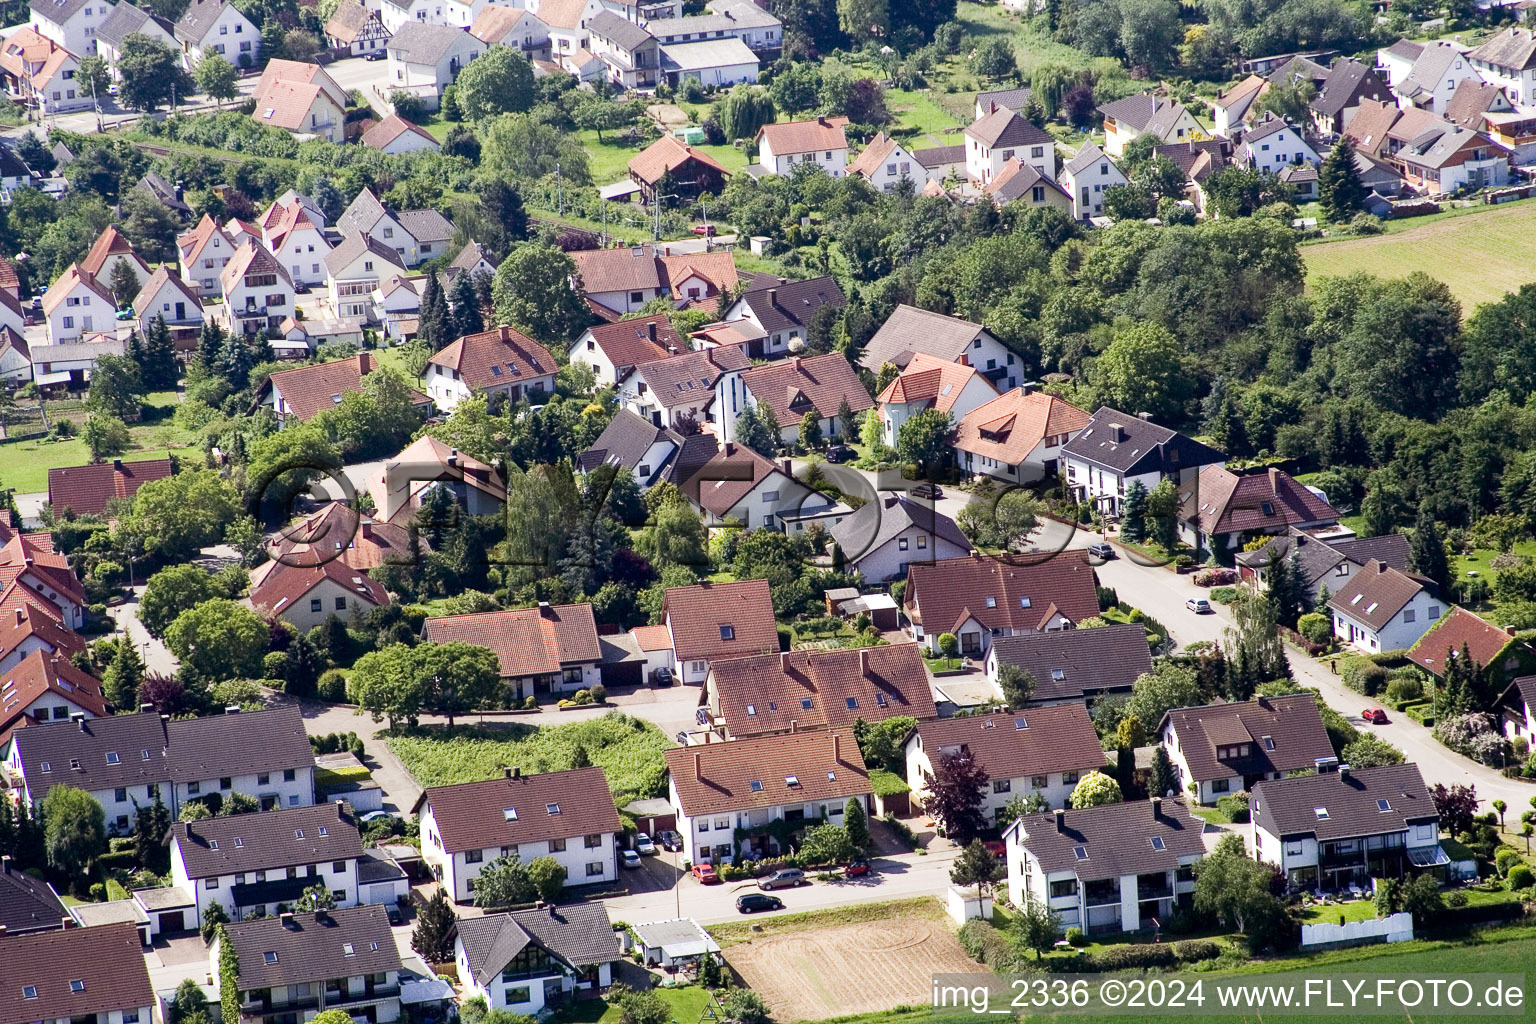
{"points": [[1153, 891], [1327, 858], [267, 1005], [335, 997], [1102, 894]]}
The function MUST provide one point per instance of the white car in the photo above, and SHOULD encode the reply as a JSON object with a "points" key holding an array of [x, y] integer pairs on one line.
{"points": [[644, 846], [1199, 605], [630, 858]]}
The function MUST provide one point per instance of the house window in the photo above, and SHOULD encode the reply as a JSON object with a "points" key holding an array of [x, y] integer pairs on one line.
{"points": [[314, 604], [922, 542], [211, 883], [473, 856], [1293, 849], [514, 996], [194, 788], [594, 868], [1066, 887], [1220, 785], [120, 795], [1069, 778], [593, 841], [341, 604], [727, 632], [1039, 781], [557, 846], [1002, 785], [1408, 614], [901, 544], [287, 774], [770, 495]]}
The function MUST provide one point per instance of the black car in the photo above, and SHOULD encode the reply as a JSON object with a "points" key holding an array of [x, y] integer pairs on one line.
{"points": [[670, 841], [393, 914], [930, 491], [375, 55], [752, 902], [839, 453]]}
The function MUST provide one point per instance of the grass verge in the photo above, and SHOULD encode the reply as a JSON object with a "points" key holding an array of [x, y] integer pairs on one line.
{"points": [[925, 908]]}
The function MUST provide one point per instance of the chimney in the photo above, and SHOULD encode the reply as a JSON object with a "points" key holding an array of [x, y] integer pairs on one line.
{"points": [[698, 766], [784, 663], [179, 192], [863, 661], [5, 865], [794, 726], [507, 772], [287, 921], [453, 457], [1344, 772], [821, 119], [1263, 702], [1116, 433], [1061, 820], [232, 709], [1144, 416], [788, 467], [891, 501], [837, 749], [773, 297], [730, 448], [21, 616], [117, 465], [545, 612], [517, 772], [1157, 808], [68, 923], [1274, 480], [145, 709], [650, 331]]}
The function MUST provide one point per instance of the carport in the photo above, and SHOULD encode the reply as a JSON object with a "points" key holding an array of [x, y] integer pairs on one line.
{"points": [[669, 943], [623, 661]]}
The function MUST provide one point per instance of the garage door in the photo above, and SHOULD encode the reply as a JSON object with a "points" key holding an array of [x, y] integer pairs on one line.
{"points": [[171, 921], [381, 893]]}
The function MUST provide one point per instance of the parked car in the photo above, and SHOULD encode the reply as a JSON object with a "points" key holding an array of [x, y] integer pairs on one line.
{"points": [[644, 846], [784, 878], [1101, 549], [706, 873], [753, 902], [393, 913], [707, 230], [630, 858], [996, 849], [663, 676], [1375, 716], [856, 867], [375, 55], [839, 453], [930, 491], [1198, 605], [670, 841]]}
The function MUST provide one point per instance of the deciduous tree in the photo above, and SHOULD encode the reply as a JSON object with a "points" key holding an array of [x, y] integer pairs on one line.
{"points": [[957, 786], [1095, 790]]}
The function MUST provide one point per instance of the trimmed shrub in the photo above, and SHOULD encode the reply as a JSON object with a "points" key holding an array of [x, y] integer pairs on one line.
{"points": [[1520, 877], [1224, 595], [1234, 807], [1315, 627], [1134, 956], [332, 686], [1364, 676], [1402, 690], [599, 693], [1193, 950], [1215, 577], [1424, 714], [1506, 859], [1076, 937]]}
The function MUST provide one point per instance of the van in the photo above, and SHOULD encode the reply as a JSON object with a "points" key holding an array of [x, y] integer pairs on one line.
{"points": [[784, 878]]}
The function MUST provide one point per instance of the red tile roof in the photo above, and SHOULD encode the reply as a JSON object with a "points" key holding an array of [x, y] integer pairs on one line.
{"points": [[1018, 592], [40, 673], [805, 767], [665, 156], [1037, 741], [1456, 629], [21, 619], [32, 553], [111, 242], [819, 134], [1263, 502], [641, 340], [936, 382], [283, 585], [391, 128], [339, 532], [528, 641], [65, 284], [309, 390], [87, 489], [652, 638], [819, 384], [1011, 426], [698, 615], [867, 164], [772, 693], [499, 356], [192, 243], [522, 809]]}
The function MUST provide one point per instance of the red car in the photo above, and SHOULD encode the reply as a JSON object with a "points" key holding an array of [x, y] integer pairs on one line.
{"points": [[1375, 716], [856, 867], [706, 873], [707, 230], [996, 849]]}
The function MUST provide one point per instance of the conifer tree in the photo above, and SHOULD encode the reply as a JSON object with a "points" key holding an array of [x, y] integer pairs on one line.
{"points": [[1339, 187]]}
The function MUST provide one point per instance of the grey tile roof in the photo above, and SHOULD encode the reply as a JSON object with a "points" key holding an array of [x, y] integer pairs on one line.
{"points": [[200, 15], [1013, 99], [426, 225], [622, 32], [1074, 662], [877, 522], [1270, 125], [353, 246], [57, 11], [124, 21], [1282, 733], [625, 441], [910, 330], [1003, 127], [1141, 445], [579, 934], [420, 43], [1347, 81], [272, 839], [1430, 67], [1513, 49], [28, 904], [1086, 158], [1116, 838], [1290, 807], [361, 214], [779, 307], [313, 947]]}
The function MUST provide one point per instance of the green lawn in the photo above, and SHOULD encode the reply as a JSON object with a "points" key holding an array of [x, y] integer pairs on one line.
{"points": [[609, 159], [1331, 913], [1480, 561], [1480, 252], [27, 462], [687, 1003], [629, 750]]}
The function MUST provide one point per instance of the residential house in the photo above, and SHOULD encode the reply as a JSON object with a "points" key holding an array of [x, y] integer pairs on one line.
{"points": [[165, 296], [750, 796], [28, 559], [356, 29], [1508, 60], [1142, 114], [474, 259], [1119, 867], [885, 536], [1432, 77], [306, 596], [1345, 826], [503, 364], [1500, 655], [714, 621], [520, 29], [424, 59], [1448, 158], [299, 241], [1396, 61], [1040, 752], [1074, 666], [1232, 110], [683, 387], [75, 305], [77, 974], [1198, 159], [566, 22], [353, 271], [931, 382], [111, 248], [1324, 559], [46, 688], [395, 135], [30, 624], [1382, 609], [1019, 182], [341, 533], [910, 331], [72, 24], [28, 906], [300, 98], [789, 692], [942, 163], [1219, 749], [1086, 177], [631, 54], [258, 293], [782, 310], [566, 815], [653, 454], [1338, 98], [303, 392], [425, 464], [250, 863], [217, 26], [820, 142], [15, 357], [298, 339], [127, 20], [885, 163], [717, 63], [1002, 135], [739, 486], [1116, 450], [1017, 437], [14, 174], [128, 761], [1273, 144], [621, 280], [36, 69], [294, 964], [551, 649], [823, 385], [204, 253], [1303, 179], [1016, 100], [1221, 511], [86, 490], [672, 166], [396, 14], [1481, 107], [242, 231], [981, 597], [613, 350], [415, 235], [726, 19], [529, 960], [67, 367]]}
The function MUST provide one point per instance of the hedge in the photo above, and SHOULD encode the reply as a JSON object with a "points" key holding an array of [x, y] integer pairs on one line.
{"points": [[1129, 957], [885, 783], [1234, 808], [1363, 676], [1424, 714], [1193, 950], [986, 945]]}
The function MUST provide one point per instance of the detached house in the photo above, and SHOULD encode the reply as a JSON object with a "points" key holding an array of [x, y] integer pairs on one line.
{"points": [[1223, 510], [306, 596], [205, 252], [522, 30], [529, 960], [621, 280], [36, 68], [1086, 177], [1225, 748], [415, 235], [931, 382], [1501, 655], [70, 23], [1115, 868], [395, 135], [671, 165], [910, 331], [737, 485], [1017, 437], [356, 29], [565, 815], [714, 621], [111, 248], [338, 532], [1074, 665], [782, 310], [821, 143], [258, 293], [424, 59], [86, 490], [1144, 114], [715, 62], [758, 788], [46, 688], [548, 649], [354, 270], [1382, 609], [1231, 110], [1273, 144], [1042, 751], [297, 238], [301, 98], [1430, 77], [1348, 82], [885, 163], [503, 364], [1116, 450], [305, 391], [1002, 135], [1346, 825], [667, 391], [822, 385], [981, 597], [77, 974], [75, 305], [885, 536], [217, 26], [651, 453], [427, 463], [165, 296], [631, 54], [614, 350], [1508, 60]]}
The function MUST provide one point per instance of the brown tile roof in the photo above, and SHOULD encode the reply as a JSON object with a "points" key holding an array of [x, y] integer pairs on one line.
{"points": [[493, 23], [1116, 839], [391, 128], [348, 22], [665, 156], [618, 269], [252, 258], [340, 532], [498, 356], [275, 952], [87, 489], [1023, 593], [1282, 734], [698, 615], [1456, 629], [1070, 663], [192, 243], [310, 390], [819, 134], [937, 383], [66, 283], [513, 810], [628, 343], [780, 305], [111, 242], [867, 164], [41, 970], [819, 384], [272, 839], [825, 766], [562, 13], [1011, 426], [1003, 127], [40, 673], [24, 615], [28, 904], [1036, 741], [528, 641], [283, 585], [1471, 100], [718, 483], [819, 689], [679, 379], [1261, 502], [1289, 807], [1375, 594], [1017, 180]]}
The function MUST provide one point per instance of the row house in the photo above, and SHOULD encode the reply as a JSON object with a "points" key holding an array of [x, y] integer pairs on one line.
{"points": [[1074, 666], [712, 622], [632, 54], [45, 687], [551, 649], [1228, 748], [204, 252], [72, 975], [28, 627], [981, 597], [29, 560]]}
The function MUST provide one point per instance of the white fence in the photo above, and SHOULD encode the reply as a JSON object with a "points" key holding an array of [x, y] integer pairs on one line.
{"points": [[1397, 928]]}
